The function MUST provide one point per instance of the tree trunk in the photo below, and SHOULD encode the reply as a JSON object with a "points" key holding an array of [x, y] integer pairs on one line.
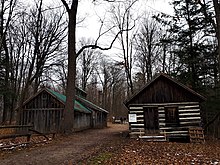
{"points": [[217, 16], [67, 123]]}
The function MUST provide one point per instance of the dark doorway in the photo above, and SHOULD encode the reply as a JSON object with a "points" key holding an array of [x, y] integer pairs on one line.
{"points": [[151, 118]]}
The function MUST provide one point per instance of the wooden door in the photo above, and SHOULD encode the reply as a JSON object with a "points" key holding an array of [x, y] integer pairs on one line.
{"points": [[151, 118]]}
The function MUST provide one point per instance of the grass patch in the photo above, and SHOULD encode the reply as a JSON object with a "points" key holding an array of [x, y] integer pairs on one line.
{"points": [[100, 159]]}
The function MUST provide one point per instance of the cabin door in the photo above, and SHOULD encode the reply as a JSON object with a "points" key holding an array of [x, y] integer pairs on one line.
{"points": [[151, 118]]}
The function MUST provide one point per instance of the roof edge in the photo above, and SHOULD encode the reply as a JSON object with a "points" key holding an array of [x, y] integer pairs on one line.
{"points": [[171, 79]]}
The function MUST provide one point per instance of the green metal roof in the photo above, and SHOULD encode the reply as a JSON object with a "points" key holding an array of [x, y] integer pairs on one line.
{"points": [[90, 104], [77, 106]]}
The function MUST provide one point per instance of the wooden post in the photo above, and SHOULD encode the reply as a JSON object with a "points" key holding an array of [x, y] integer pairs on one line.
{"points": [[28, 138]]}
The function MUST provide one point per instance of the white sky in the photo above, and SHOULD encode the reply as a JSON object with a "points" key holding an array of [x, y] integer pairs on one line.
{"points": [[90, 27]]}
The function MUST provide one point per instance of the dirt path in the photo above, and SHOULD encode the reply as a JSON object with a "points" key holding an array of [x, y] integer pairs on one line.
{"points": [[66, 150]]}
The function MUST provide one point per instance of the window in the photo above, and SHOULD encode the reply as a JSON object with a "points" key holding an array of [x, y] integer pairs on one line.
{"points": [[172, 116]]}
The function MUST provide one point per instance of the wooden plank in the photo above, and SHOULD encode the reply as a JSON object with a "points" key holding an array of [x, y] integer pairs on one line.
{"points": [[177, 135], [188, 106], [135, 111], [136, 108], [174, 128], [14, 136], [150, 137], [140, 120], [16, 126], [137, 124], [189, 114], [140, 116], [162, 124], [175, 132], [165, 104], [161, 115], [189, 110], [190, 118], [137, 129], [191, 122], [137, 133]]}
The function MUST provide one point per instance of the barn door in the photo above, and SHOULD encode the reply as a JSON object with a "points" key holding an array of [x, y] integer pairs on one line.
{"points": [[151, 118]]}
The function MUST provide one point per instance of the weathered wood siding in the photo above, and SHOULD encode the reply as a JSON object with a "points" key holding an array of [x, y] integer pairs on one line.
{"points": [[43, 101], [164, 90], [99, 119], [188, 112], [44, 112], [82, 121], [43, 120]]}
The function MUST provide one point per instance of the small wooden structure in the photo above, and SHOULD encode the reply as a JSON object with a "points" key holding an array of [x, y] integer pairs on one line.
{"points": [[44, 111], [196, 135], [164, 106]]}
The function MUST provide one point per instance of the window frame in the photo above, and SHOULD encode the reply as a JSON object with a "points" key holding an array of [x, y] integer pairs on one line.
{"points": [[171, 115]]}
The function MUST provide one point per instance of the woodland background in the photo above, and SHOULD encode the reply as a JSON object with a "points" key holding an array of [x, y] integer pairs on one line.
{"points": [[184, 45]]}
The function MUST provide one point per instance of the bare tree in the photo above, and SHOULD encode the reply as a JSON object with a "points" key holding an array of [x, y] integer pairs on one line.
{"points": [[6, 14], [105, 78], [68, 118], [117, 90], [122, 18], [147, 47], [86, 62], [33, 40]]}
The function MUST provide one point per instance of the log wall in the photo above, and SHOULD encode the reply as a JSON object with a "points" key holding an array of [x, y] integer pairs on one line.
{"points": [[188, 113]]}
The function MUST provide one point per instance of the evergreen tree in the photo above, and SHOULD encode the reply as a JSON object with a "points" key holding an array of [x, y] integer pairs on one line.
{"points": [[192, 35]]}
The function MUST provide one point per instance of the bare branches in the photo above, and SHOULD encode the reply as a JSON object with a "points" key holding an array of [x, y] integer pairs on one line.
{"points": [[95, 46]]}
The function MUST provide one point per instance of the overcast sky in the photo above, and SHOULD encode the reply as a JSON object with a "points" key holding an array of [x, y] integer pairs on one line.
{"points": [[89, 28], [91, 25]]}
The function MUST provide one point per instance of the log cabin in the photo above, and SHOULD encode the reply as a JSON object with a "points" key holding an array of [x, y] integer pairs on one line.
{"points": [[164, 107]]}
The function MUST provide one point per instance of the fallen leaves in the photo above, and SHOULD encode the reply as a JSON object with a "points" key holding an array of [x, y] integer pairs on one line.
{"points": [[133, 152]]}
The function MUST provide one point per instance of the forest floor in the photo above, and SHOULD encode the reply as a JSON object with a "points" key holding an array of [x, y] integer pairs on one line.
{"points": [[110, 146]]}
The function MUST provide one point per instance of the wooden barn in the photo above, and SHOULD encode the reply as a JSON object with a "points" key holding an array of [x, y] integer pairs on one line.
{"points": [[164, 107], [44, 111]]}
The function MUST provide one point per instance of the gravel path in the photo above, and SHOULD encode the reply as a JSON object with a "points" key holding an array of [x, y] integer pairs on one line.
{"points": [[66, 150]]}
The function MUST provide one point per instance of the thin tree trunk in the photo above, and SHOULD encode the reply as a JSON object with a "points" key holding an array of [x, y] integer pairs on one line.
{"points": [[217, 16]]}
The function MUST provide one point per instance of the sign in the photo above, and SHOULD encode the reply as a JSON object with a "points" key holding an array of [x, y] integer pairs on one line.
{"points": [[132, 118]]}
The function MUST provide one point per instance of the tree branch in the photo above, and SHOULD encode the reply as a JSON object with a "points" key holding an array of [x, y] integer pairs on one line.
{"points": [[66, 5], [95, 46]]}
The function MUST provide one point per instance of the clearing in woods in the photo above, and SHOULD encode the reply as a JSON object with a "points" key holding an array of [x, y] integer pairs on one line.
{"points": [[109, 146]]}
